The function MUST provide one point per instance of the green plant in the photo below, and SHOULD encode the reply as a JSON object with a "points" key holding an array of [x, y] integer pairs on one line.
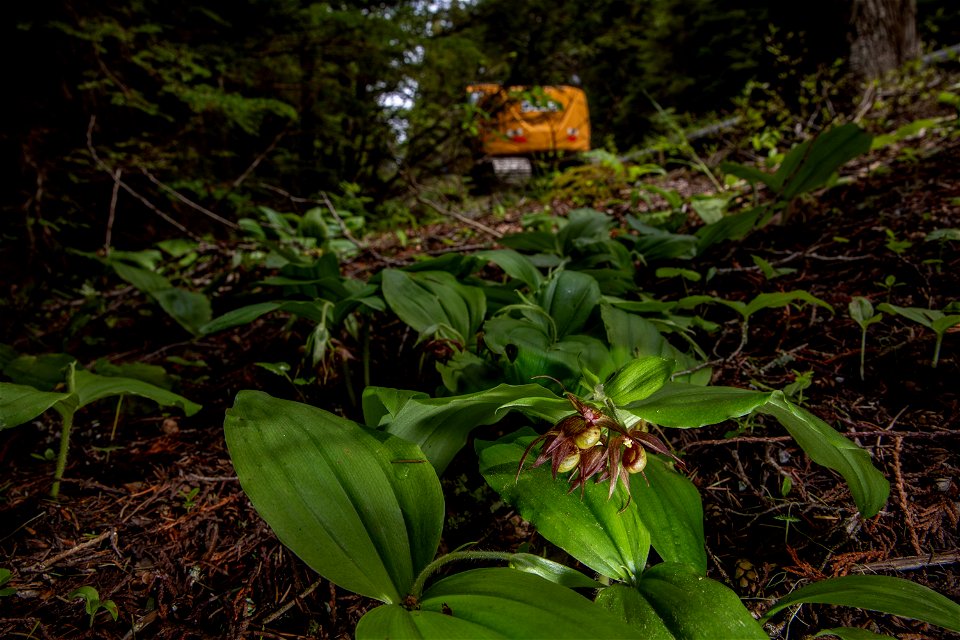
{"points": [[363, 507], [889, 283], [861, 310], [809, 165], [937, 321], [758, 303], [20, 403], [93, 604], [896, 245], [768, 270], [189, 497], [5, 576]]}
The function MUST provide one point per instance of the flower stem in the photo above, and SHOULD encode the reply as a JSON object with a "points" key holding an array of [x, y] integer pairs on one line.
{"points": [[417, 589], [66, 413]]}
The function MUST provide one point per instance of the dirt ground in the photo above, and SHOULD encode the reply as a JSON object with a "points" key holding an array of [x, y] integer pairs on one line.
{"points": [[155, 520]]}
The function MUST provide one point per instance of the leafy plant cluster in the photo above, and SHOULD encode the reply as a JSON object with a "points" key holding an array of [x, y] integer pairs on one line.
{"points": [[559, 306]]}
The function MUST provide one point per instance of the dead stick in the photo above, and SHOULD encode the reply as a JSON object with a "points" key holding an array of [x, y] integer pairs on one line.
{"points": [[92, 542], [910, 563], [187, 201], [289, 605], [113, 212], [848, 434], [462, 218]]}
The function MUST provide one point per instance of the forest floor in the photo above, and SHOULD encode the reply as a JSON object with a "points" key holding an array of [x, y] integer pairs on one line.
{"points": [[154, 518]]}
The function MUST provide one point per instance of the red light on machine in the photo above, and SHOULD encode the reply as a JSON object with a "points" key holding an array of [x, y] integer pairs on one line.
{"points": [[572, 134]]}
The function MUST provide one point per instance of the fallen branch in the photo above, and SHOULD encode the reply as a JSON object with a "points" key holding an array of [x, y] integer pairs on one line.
{"points": [[848, 434], [92, 542], [910, 563], [462, 218]]}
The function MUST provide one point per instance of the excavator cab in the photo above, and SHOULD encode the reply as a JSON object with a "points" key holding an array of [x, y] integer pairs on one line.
{"points": [[514, 124]]}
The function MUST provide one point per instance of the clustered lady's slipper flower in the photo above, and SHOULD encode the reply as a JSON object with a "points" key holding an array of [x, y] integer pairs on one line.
{"points": [[591, 444]]}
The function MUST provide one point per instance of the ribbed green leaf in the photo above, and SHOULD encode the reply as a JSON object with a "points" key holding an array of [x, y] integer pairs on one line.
{"points": [[687, 406], [362, 508], [569, 298], [20, 403], [440, 426], [91, 387], [886, 594], [515, 604], [591, 529], [238, 317], [630, 606], [428, 300], [671, 509], [515, 265], [553, 571], [694, 607], [393, 622], [806, 168], [638, 379], [827, 447]]}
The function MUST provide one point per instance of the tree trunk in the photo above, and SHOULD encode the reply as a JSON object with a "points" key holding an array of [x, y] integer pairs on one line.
{"points": [[885, 36]]}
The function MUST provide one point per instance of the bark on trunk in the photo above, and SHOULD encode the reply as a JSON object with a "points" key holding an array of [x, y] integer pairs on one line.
{"points": [[885, 36]]}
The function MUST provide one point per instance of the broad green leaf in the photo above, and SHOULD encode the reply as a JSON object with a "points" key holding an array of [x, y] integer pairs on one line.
{"points": [[827, 447], [940, 325], [694, 607], [851, 633], [591, 528], [809, 165], [943, 235], [150, 373], [631, 336], [885, 594], [238, 317], [43, 372], [637, 379], [360, 507], [515, 265], [687, 406], [515, 604], [673, 272], [709, 208], [629, 605], [189, 308], [584, 226], [428, 300], [861, 310], [671, 510], [440, 426], [917, 314], [20, 403], [656, 244], [145, 280], [5, 575], [773, 300], [532, 241], [393, 621], [748, 173], [91, 387], [379, 403], [570, 297], [553, 571], [732, 227]]}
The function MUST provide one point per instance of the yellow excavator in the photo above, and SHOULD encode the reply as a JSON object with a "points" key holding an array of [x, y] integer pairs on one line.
{"points": [[515, 124]]}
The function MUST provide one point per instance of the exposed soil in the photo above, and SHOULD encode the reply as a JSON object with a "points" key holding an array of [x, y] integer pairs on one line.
{"points": [[206, 566]]}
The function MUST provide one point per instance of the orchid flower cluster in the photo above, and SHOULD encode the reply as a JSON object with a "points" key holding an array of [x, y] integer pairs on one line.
{"points": [[592, 444]]}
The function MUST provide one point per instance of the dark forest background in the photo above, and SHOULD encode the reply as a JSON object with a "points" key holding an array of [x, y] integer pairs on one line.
{"points": [[233, 104]]}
